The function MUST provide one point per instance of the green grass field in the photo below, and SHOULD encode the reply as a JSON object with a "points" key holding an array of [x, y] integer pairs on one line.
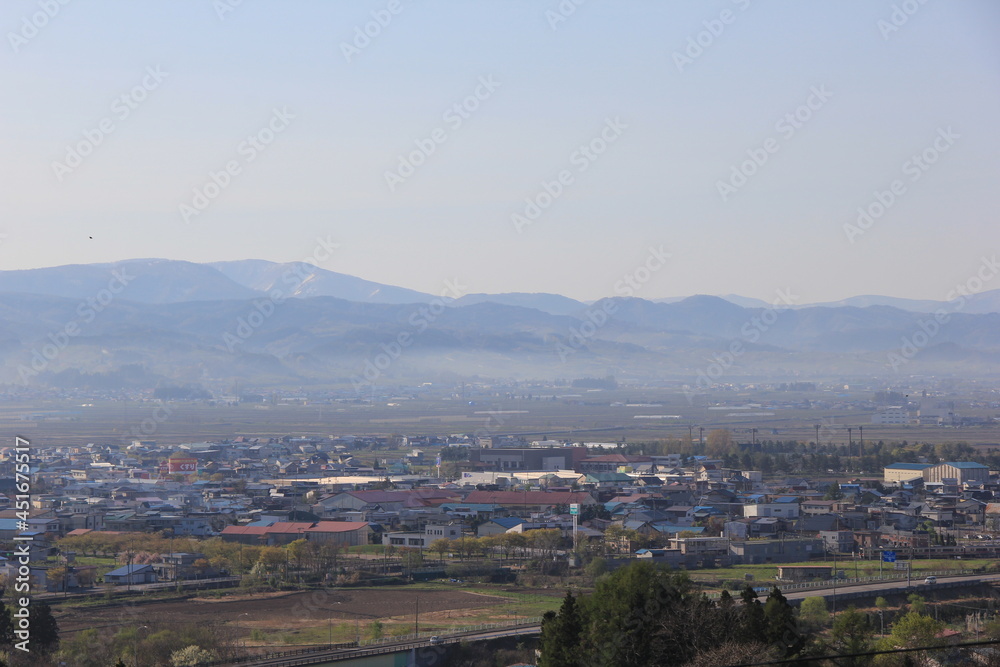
{"points": [[365, 549], [765, 574]]}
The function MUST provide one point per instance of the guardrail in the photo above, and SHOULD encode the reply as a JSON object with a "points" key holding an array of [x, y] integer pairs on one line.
{"points": [[277, 655], [375, 646], [917, 577], [469, 629]]}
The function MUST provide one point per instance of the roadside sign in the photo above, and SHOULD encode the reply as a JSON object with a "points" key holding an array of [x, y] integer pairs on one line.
{"points": [[889, 556], [574, 509]]}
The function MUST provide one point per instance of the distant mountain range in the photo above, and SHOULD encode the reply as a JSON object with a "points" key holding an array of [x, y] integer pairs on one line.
{"points": [[174, 281], [300, 279], [145, 322]]}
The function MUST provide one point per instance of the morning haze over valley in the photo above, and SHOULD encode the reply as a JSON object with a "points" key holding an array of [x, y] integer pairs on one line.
{"points": [[506, 333]]}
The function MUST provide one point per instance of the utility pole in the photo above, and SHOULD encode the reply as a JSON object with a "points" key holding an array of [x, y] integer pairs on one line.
{"points": [[861, 441], [834, 582], [816, 426]]}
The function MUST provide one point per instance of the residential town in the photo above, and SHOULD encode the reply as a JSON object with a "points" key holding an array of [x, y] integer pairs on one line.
{"points": [[591, 499]]}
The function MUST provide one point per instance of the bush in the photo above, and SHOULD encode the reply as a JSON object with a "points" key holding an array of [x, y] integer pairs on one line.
{"points": [[467, 570], [191, 656], [596, 568]]}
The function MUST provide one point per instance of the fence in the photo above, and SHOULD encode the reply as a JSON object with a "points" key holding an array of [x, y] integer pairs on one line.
{"points": [[916, 577], [277, 655], [371, 646], [469, 629]]}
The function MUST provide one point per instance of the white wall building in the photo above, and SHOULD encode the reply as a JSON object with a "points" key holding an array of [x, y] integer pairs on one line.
{"points": [[891, 415]]}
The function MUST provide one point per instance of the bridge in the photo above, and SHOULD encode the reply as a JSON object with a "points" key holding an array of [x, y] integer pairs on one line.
{"points": [[424, 649]]}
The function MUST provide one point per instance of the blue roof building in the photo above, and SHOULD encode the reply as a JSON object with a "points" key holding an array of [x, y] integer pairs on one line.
{"points": [[131, 574]]}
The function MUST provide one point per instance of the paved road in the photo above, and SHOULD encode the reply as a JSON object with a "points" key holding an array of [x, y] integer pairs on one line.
{"points": [[917, 583]]}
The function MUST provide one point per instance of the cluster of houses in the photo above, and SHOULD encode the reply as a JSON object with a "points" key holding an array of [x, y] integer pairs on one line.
{"points": [[689, 512]]}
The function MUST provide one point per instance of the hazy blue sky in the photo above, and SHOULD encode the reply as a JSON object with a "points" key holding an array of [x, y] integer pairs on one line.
{"points": [[678, 129]]}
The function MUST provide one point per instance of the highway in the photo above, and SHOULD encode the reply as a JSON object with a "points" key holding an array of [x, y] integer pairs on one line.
{"points": [[917, 584]]}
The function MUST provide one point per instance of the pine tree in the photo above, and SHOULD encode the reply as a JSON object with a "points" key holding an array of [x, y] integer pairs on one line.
{"points": [[782, 630], [560, 644], [44, 629], [752, 623], [852, 633], [6, 626]]}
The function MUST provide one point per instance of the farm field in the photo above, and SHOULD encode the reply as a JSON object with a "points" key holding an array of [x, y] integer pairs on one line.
{"points": [[587, 417], [314, 617]]}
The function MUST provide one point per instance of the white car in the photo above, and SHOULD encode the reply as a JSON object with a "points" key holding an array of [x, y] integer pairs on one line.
{"points": [[930, 580]]}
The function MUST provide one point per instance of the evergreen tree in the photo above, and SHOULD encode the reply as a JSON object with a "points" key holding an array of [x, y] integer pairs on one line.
{"points": [[645, 616], [752, 623], [782, 630], [6, 626], [560, 643], [624, 608], [852, 633], [44, 630]]}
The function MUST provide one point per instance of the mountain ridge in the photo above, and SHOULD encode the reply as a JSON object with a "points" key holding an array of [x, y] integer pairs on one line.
{"points": [[168, 281]]}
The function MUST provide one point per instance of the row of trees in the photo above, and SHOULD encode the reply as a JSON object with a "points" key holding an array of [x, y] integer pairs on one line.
{"points": [[854, 632], [306, 559], [303, 555], [788, 456], [533, 544], [643, 615]]}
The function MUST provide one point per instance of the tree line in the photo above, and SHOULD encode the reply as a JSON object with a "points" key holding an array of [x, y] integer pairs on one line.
{"points": [[644, 616]]}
